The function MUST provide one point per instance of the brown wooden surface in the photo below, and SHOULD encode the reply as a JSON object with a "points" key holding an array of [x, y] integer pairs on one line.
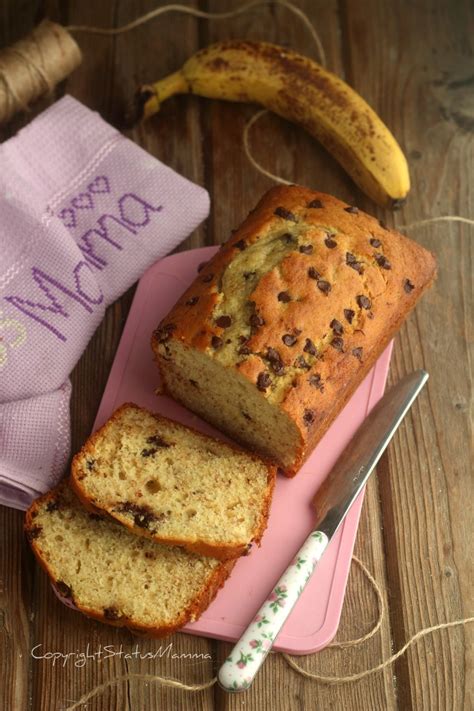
{"points": [[413, 61]]}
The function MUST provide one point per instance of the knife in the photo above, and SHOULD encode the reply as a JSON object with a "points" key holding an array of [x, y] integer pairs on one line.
{"points": [[332, 502]]}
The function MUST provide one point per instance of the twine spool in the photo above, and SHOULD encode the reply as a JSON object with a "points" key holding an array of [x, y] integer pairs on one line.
{"points": [[34, 65]]}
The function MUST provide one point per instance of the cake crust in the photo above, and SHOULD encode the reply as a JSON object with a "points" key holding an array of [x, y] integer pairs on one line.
{"points": [[316, 320]]}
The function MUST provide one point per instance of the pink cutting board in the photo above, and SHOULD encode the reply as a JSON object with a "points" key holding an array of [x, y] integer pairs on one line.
{"points": [[134, 378]]}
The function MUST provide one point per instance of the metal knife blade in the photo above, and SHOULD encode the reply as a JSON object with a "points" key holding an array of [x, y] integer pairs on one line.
{"points": [[351, 471]]}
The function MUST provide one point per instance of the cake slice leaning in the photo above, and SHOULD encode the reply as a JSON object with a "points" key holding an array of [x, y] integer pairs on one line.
{"points": [[172, 484], [107, 573]]}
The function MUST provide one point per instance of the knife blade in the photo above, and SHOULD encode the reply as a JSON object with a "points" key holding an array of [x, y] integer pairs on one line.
{"points": [[332, 503]]}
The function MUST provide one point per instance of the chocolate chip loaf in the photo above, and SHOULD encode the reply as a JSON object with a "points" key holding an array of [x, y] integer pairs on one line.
{"points": [[280, 327]]}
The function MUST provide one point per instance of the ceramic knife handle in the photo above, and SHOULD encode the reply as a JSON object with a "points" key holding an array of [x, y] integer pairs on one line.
{"points": [[247, 656]]}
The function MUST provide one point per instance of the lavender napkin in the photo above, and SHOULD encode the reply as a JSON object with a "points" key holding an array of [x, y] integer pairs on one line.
{"points": [[83, 213]]}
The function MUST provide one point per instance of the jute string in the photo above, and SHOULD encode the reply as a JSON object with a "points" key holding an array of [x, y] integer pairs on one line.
{"points": [[35, 65], [176, 684]]}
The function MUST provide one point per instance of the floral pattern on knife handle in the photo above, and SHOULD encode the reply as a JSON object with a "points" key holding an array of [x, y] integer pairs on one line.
{"points": [[246, 658]]}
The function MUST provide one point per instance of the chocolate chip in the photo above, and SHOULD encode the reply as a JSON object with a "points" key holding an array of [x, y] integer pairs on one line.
{"points": [[288, 238], [375, 242], [300, 362], [63, 589], [206, 279], [383, 225], [158, 441], [309, 347], [141, 516], [284, 297], [351, 261], [193, 300], [382, 261], [148, 452], [280, 471], [357, 352], [201, 266], [288, 339], [285, 214], [244, 350], [275, 361], [33, 532], [330, 243], [363, 301], [256, 321], [349, 315], [52, 505], [337, 327], [306, 249], [263, 381], [308, 417], [313, 273], [247, 416], [193, 383], [240, 245], [111, 613], [248, 275], [315, 204], [324, 286], [352, 209], [338, 344], [408, 286], [224, 321], [163, 333], [316, 382], [90, 464], [216, 342]]}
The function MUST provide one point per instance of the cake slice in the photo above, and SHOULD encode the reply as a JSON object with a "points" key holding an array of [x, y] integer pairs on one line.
{"points": [[101, 569], [284, 322], [170, 483]]}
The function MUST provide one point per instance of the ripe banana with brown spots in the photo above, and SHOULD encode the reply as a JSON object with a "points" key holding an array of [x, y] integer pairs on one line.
{"points": [[302, 91]]}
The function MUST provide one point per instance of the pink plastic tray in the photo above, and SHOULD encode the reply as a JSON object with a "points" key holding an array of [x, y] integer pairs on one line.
{"points": [[134, 377]]}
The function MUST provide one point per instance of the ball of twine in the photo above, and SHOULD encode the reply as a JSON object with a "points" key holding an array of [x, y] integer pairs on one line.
{"points": [[34, 65]]}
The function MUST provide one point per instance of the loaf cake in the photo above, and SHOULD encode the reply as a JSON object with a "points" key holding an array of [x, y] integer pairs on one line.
{"points": [[172, 484], [103, 570], [283, 323]]}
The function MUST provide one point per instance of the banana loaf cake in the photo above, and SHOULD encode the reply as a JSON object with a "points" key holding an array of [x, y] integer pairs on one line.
{"points": [[283, 323], [98, 567], [166, 481]]}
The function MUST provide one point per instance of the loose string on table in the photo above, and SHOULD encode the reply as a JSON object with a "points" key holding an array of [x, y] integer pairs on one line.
{"points": [[177, 684]]}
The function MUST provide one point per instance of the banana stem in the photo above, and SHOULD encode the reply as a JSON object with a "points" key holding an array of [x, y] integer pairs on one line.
{"points": [[161, 90]]}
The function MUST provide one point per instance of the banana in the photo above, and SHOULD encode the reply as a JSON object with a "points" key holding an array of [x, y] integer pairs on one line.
{"points": [[300, 90]]}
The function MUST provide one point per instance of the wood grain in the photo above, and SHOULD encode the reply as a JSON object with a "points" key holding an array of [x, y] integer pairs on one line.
{"points": [[416, 521]]}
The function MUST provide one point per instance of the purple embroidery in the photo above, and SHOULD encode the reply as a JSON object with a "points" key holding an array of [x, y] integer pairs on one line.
{"points": [[99, 185], [83, 201], [55, 307], [68, 217], [129, 202], [92, 282]]}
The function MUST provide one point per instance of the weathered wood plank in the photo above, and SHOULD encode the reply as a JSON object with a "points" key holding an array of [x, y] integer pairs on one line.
{"points": [[426, 488]]}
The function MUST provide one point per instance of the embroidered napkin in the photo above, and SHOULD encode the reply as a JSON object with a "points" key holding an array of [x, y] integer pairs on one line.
{"points": [[83, 213]]}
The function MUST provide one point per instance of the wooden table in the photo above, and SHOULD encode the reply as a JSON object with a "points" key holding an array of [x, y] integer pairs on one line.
{"points": [[413, 62]]}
